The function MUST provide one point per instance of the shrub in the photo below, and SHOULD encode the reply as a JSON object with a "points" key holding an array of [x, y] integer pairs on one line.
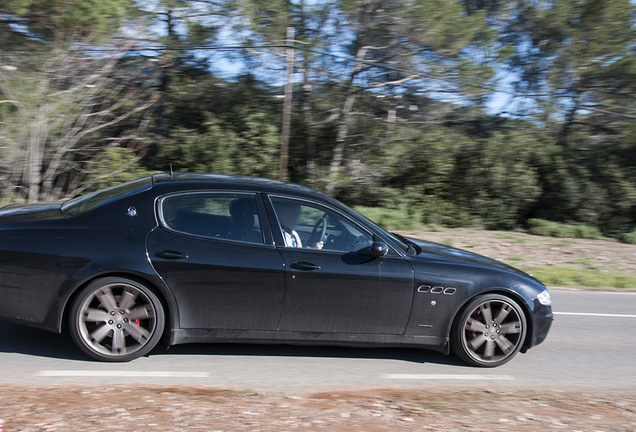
{"points": [[498, 180], [437, 211], [630, 237], [547, 228], [568, 276], [391, 218]]}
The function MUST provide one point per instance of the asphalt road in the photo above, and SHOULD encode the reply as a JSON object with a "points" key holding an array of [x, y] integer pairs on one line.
{"points": [[592, 346]]}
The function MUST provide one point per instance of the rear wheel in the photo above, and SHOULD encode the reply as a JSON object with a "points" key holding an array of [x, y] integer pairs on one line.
{"points": [[116, 319], [490, 331]]}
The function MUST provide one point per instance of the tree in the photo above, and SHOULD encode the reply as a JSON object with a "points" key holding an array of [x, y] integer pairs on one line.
{"points": [[25, 24], [59, 111], [183, 25], [576, 73]]}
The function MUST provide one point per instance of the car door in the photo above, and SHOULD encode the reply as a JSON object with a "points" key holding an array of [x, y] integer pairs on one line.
{"points": [[337, 286], [209, 248]]}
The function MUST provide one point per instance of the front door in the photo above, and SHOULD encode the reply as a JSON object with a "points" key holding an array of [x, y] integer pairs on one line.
{"points": [[332, 284]]}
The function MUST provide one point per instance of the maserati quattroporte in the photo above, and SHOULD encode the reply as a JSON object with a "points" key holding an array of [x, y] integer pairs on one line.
{"points": [[209, 258]]}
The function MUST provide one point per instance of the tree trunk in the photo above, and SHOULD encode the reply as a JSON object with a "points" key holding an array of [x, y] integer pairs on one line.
{"points": [[164, 83], [35, 154], [305, 106], [287, 107], [343, 124]]}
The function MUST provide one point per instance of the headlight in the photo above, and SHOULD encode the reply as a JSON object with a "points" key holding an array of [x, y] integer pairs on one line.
{"points": [[544, 298]]}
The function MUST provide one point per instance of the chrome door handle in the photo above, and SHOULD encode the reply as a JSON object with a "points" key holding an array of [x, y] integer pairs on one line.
{"points": [[304, 266], [170, 254]]}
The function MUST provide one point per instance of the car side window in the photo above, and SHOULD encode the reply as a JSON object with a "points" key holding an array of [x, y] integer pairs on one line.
{"points": [[217, 215], [308, 225]]}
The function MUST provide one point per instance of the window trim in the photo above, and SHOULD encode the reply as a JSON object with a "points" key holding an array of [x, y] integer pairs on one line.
{"points": [[263, 221]]}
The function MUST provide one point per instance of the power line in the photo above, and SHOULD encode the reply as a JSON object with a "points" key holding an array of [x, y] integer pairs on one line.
{"points": [[297, 45]]}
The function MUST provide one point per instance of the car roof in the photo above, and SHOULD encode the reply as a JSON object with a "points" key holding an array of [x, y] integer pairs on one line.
{"points": [[231, 181]]}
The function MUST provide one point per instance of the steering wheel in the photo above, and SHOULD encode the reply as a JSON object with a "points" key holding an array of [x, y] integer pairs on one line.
{"points": [[319, 232]]}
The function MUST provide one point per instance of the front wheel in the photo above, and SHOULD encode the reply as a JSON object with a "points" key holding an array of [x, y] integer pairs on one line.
{"points": [[116, 319], [490, 331]]}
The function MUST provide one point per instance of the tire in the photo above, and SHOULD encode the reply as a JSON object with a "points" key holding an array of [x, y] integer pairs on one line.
{"points": [[489, 331], [116, 320]]}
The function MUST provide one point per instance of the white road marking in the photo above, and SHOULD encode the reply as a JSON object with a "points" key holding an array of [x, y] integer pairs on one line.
{"points": [[596, 292], [595, 314], [449, 377], [126, 374]]}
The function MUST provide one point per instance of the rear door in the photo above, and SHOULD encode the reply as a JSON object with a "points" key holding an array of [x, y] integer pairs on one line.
{"points": [[209, 248]]}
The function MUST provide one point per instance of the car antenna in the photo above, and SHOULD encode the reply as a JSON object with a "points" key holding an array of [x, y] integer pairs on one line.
{"points": [[171, 173]]}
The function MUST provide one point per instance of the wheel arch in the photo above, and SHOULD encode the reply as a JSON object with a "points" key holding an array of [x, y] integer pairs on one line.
{"points": [[169, 305], [501, 291]]}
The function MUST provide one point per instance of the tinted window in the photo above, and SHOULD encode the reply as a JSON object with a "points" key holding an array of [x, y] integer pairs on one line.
{"points": [[89, 202], [217, 215], [398, 240], [309, 225]]}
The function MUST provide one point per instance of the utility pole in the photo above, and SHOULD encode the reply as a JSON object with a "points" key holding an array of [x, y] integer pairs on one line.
{"points": [[287, 106]]}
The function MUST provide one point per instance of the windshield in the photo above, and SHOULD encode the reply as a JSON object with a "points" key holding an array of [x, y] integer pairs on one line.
{"points": [[89, 202]]}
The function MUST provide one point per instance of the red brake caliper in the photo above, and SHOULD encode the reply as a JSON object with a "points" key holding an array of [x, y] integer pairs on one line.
{"points": [[478, 314]]}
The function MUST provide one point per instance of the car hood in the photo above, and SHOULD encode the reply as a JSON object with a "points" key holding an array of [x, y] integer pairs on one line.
{"points": [[30, 212], [434, 252]]}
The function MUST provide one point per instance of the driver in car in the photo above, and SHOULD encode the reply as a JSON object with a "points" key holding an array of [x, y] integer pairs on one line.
{"points": [[288, 216]]}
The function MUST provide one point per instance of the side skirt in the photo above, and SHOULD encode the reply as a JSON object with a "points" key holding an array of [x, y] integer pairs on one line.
{"points": [[434, 343]]}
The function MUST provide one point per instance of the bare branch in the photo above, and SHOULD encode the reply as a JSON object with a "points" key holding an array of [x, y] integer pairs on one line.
{"points": [[396, 82]]}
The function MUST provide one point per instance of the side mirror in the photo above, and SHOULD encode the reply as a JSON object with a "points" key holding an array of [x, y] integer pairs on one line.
{"points": [[379, 249]]}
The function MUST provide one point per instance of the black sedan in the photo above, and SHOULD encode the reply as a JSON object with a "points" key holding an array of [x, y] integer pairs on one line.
{"points": [[210, 258]]}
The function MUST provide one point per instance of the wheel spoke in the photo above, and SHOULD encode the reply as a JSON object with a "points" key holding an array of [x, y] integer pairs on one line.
{"points": [[489, 352], [141, 312], [100, 333], [486, 312], [96, 315], [511, 328], [106, 298], [475, 326], [503, 313], [476, 343], [127, 299], [138, 333], [505, 345], [119, 341]]}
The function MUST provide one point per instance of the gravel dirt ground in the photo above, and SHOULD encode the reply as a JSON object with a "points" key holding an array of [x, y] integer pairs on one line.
{"points": [[445, 409], [527, 251], [207, 409]]}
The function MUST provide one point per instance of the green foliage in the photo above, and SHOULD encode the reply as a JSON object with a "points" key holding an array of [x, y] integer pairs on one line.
{"points": [[437, 211], [498, 181], [567, 276], [53, 20], [555, 229], [400, 218], [252, 150], [565, 151], [630, 237], [115, 165]]}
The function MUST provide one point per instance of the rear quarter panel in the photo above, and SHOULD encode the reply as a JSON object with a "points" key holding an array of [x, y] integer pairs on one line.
{"points": [[40, 268], [43, 263]]}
